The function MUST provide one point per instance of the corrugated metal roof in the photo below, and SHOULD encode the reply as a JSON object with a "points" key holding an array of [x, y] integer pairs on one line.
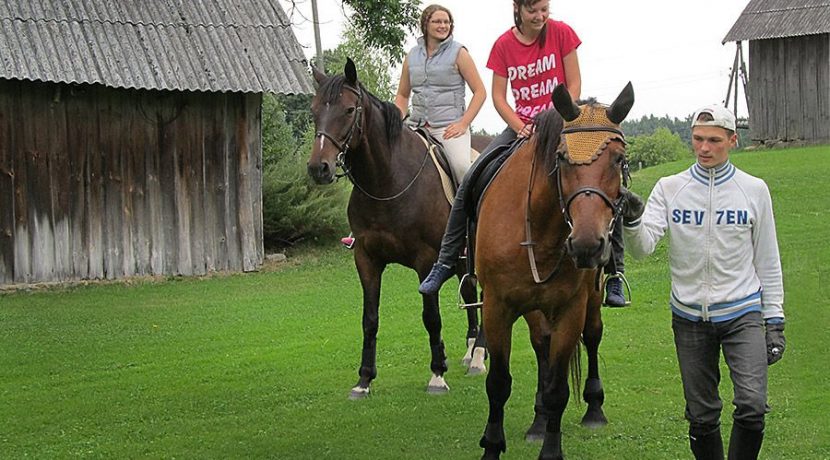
{"points": [[781, 18], [188, 45]]}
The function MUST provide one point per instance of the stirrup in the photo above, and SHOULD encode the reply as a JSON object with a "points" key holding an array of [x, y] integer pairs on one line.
{"points": [[620, 276], [474, 280]]}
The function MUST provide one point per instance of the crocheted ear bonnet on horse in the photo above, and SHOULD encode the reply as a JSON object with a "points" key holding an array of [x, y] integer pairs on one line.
{"points": [[584, 138]]}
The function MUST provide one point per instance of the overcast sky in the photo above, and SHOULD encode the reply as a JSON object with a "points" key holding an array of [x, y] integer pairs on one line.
{"points": [[671, 51]]}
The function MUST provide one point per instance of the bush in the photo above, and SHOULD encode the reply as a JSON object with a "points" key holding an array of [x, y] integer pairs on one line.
{"points": [[294, 208], [662, 146]]}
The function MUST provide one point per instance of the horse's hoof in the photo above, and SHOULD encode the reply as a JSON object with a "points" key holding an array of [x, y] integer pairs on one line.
{"points": [[594, 421], [473, 371], [477, 366], [437, 385], [466, 360], [358, 393], [536, 432]]}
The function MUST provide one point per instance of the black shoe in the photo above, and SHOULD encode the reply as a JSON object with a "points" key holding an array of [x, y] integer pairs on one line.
{"points": [[744, 444], [436, 278], [614, 293], [707, 447]]}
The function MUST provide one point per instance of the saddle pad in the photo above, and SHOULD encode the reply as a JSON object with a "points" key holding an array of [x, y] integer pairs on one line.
{"points": [[439, 158]]}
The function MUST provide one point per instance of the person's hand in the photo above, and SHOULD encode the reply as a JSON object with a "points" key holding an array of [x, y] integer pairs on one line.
{"points": [[526, 131], [632, 205], [775, 342], [456, 129]]}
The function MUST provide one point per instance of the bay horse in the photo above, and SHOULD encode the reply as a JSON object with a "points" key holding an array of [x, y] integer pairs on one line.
{"points": [[397, 209], [551, 210]]}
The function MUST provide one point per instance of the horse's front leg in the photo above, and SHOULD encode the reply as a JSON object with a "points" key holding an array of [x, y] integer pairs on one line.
{"points": [[498, 325], [370, 273], [565, 337], [593, 394], [540, 340]]}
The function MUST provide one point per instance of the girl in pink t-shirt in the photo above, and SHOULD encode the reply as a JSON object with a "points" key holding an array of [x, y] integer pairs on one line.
{"points": [[534, 56]]}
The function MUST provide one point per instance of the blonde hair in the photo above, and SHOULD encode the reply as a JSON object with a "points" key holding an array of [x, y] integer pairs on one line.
{"points": [[427, 15]]}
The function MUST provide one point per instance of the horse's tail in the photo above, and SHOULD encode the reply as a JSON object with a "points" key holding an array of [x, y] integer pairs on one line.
{"points": [[576, 371]]}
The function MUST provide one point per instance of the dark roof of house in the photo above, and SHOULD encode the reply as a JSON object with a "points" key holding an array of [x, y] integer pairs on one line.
{"points": [[763, 19], [187, 45]]}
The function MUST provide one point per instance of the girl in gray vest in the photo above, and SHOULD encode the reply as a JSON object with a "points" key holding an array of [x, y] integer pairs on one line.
{"points": [[434, 75], [433, 78]]}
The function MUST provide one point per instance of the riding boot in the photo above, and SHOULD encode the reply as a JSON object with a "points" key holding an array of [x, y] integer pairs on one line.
{"points": [[436, 278], [614, 296], [745, 444], [708, 446]]}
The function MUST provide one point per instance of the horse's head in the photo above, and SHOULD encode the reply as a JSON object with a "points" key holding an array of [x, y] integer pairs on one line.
{"points": [[338, 111], [590, 167]]}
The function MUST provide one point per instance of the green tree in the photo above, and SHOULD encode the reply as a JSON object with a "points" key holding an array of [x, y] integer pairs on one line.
{"points": [[384, 24], [293, 207], [660, 147]]}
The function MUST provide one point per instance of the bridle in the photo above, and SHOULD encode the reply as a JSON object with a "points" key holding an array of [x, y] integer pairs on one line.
{"points": [[343, 148], [565, 203], [356, 126]]}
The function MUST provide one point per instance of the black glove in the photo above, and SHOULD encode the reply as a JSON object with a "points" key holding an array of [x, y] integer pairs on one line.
{"points": [[632, 205], [775, 342]]}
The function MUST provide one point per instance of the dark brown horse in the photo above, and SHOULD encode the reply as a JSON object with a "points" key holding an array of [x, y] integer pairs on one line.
{"points": [[542, 238], [397, 210]]}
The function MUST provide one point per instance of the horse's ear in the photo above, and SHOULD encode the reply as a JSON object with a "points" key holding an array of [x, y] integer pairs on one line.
{"points": [[564, 104], [320, 77], [622, 105], [351, 72]]}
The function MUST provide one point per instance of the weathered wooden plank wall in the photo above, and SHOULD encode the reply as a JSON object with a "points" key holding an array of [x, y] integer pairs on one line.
{"points": [[104, 183], [789, 89]]}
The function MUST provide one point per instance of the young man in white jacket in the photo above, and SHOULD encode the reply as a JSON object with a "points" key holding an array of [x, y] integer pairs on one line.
{"points": [[726, 292]]}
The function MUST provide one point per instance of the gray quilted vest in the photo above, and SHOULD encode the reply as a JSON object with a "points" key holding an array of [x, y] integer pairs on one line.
{"points": [[437, 86]]}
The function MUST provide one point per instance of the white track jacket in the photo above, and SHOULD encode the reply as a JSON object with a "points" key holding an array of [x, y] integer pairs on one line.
{"points": [[723, 250]]}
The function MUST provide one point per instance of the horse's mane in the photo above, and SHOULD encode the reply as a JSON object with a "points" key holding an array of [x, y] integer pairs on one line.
{"points": [[548, 128], [332, 88]]}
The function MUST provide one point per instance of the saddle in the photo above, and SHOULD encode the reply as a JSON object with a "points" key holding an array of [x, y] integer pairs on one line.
{"points": [[482, 174], [439, 158]]}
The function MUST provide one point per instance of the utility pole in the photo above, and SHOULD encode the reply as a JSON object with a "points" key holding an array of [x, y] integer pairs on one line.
{"points": [[316, 19]]}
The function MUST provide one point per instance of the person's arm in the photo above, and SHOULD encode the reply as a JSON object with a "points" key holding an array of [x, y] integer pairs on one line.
{"points": [[766, 259], [468, 71], [573, 78], [404, 89], [505, 111]]}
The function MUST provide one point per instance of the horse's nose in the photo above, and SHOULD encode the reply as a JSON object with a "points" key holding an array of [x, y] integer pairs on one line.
{"points": [[321, 172], [587, 253]]}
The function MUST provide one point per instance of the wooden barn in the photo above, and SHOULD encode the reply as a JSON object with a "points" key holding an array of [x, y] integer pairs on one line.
{"points": [[789, 69], [130, 135]]}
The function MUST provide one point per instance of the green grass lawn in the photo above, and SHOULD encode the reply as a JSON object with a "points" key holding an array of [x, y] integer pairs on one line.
{"points": [[260, 365]]}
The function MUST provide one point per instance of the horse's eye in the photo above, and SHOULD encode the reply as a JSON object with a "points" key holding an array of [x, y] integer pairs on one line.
{"points": [[350, 110]]}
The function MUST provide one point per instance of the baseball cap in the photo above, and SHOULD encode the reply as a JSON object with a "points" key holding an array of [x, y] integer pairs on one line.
{"points": [[721, 116]]}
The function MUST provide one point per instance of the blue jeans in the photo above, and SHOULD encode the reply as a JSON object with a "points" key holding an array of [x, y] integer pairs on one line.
{"points": [[699, 345]]}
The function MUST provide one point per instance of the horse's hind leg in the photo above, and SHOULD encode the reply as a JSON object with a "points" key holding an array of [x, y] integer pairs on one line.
{"points": [[475, 355], [498, 329], [593, 393], [370, 275], [540, 340], [431, 316]]}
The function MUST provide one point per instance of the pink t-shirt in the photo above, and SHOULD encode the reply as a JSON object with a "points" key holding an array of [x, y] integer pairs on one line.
{"points": [[533, 72]]}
